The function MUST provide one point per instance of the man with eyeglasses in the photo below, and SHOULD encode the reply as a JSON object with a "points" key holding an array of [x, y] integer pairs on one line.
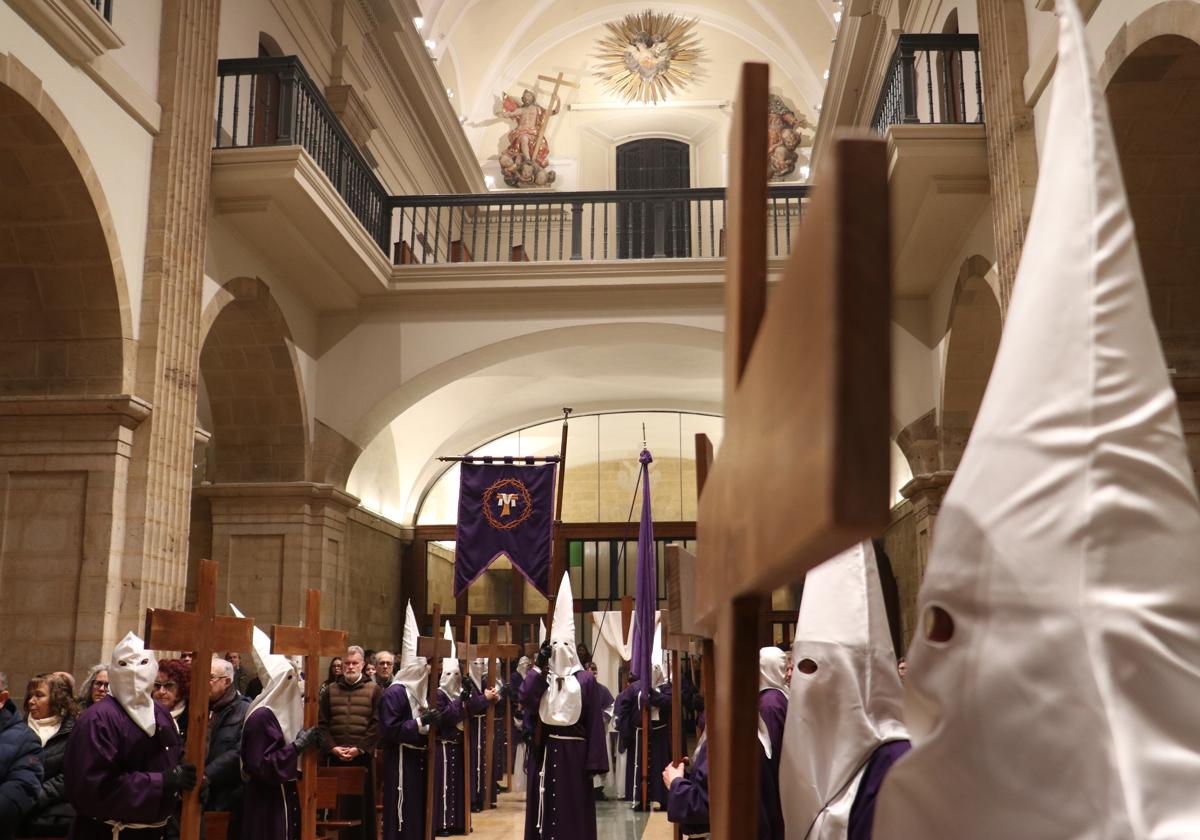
{"points": [[385, 666], [226, 713]]}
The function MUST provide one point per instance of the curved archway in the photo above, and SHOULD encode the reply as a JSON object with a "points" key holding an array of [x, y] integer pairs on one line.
{"points": [[251, 396], [65, 321], [972, 340]]}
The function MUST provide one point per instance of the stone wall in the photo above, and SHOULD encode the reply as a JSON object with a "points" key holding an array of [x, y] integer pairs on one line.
{"points": [[375, 614], [900, 542]]}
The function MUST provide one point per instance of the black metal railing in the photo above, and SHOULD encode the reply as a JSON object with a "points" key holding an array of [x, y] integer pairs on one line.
{"points": [[599, 225], [103, 8], [932, 79], [274, 102]]}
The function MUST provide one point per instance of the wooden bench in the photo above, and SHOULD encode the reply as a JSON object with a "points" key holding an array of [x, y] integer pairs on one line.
{"points": [[334, 782]]}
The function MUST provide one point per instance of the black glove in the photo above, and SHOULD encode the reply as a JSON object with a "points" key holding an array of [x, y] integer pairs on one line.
{"points": [[431, 717], [179, 778], [306, 738], [543, 657]]}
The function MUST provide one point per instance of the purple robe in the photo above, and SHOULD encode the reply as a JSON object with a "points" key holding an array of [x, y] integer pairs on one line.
{"points": [[477, 709], [772, 708], [862, 812], [114, 771], [629, 725], [448, 793], [404, 781], [270, 765], [559, 797], [687, 800]]}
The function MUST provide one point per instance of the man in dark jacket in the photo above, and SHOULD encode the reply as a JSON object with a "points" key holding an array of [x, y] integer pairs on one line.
{"points": [[222, 768], [20, 764], [350, 714]]}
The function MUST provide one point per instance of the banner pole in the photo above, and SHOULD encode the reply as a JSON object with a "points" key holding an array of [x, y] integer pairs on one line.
{"points": [[558, 550]]}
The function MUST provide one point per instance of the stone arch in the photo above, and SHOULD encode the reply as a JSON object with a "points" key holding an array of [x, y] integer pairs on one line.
{"points": [[65, 320], [251, 389], [972, 339], [1170, 17]]}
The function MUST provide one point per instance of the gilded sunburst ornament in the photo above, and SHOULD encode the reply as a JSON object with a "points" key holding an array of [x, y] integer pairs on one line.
{"points": [[647, 56]]}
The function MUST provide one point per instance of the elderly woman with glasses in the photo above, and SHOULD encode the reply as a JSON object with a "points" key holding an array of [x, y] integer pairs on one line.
{"points": [[95, 687], [171, 690]]}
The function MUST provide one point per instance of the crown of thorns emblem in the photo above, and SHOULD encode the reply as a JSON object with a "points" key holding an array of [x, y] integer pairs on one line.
{"points": [[507, 503]]}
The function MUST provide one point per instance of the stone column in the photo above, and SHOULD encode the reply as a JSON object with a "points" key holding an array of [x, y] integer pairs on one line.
{"points": [[1012, 148], [909, 540], [274, 541], [169, 345], [64, 463]]}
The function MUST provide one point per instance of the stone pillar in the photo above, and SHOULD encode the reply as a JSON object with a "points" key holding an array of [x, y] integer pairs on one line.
{"points": [[169, 345], [274, 541], [909, 540], [64, 464], [1012, 148]]}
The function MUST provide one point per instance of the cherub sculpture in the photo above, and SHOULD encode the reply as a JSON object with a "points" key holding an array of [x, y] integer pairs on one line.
{"points": [[785, 133]]}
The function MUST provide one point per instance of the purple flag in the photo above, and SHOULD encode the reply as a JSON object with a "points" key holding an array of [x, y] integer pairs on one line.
{"points": [[504, 509], [646, 596]]}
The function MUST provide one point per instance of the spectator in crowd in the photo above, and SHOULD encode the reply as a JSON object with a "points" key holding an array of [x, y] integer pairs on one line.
{"points": [[20, 765], [51, 712], [385, 665], [222, 768], [95, 687], [350, 714], [171, 690], [186, 657], [241, 676], [335, 671]]}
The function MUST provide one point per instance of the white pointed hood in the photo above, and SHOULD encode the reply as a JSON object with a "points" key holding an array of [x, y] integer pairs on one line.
{"points": [[1044, 694], [282, 688], [845, 699], [562, 703], [772, 675], [541, 630], [413, 672], [451, 679], [657, 660], [131, 675]]}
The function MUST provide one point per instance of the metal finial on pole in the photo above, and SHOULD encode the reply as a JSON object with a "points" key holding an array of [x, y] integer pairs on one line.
{"points": [[643, 435]]}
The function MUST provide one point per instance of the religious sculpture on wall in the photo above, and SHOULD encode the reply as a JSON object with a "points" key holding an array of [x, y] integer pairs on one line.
{"points": [[785, 134], [526, 161], [646, 56]]}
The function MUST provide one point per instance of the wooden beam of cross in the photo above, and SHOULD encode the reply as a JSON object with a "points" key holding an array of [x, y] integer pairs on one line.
{"points": [[626, 618], [772, 509], [434, 648], [512, 707], [551, 110], [312, 642], [205, 633], [492, 651]]}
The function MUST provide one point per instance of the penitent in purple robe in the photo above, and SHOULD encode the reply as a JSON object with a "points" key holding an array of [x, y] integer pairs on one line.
{"points": [[114, 772], [270, 765], [772, 708], [687, 800], [628, 712], [560, 803], [862, 812], [477, 710], [404, 749], [448, 783]]}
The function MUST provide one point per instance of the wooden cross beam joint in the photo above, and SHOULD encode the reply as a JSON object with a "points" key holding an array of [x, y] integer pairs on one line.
{"points": [[804, 464], [312, 642], [493, 650], [204, 633]]}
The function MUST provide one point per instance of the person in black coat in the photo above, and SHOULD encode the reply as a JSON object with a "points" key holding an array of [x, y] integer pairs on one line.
{"points": [[227, 713], [20, 764], [51, 714]]}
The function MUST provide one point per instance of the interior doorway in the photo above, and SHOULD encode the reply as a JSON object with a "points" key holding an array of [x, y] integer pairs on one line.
{"points": [[653, 227]]}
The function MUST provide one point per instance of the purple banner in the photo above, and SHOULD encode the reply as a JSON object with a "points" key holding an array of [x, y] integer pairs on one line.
{"points": [[504, 509], [646, 595]]}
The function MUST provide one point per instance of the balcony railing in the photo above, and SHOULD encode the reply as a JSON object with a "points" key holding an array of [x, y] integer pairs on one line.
{"points": [[932, 79], [103, 8], [548, 226], [274, 102]]}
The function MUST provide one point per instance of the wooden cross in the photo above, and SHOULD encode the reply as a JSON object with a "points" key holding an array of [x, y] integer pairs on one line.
{"points": [[626, 618], [492, 651], [558, 81], [434, 648], [312, 642], [804, 465], [203, 632], [512, 706], [466, 653]]}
